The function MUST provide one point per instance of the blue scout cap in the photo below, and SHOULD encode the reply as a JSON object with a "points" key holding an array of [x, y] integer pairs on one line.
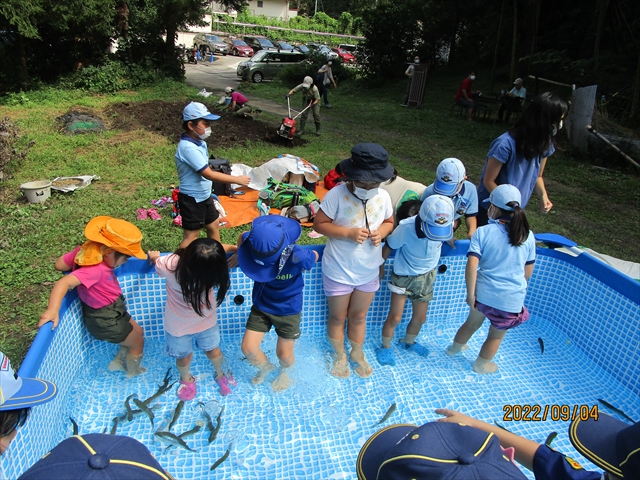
{"points": [[196, 110], [259, 254], [502, 195], [436, 450], [611, 444], [97, 456], [17, 392], [449, 174], [436, 214]]}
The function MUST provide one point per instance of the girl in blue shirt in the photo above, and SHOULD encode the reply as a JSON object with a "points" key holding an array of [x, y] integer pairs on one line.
{"points": [[499, 264]]}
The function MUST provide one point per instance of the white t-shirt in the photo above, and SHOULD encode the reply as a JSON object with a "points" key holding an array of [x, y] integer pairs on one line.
{"points": [[344, 260], [179, 317]]}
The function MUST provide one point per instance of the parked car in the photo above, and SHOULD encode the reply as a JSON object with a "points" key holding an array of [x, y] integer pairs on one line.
{"points": [[349, 48], [344, 55], [266, 65], [210, 43], [239, 48], [284, 46], [259, 43], [323, 49], [302, 49]]}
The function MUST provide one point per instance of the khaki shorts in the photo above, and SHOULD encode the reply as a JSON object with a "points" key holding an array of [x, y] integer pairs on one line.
{"points": [[417, 288], [110, 323], [287, 326]]}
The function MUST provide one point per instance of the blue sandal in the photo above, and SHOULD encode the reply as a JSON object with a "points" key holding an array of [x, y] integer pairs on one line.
{"points": [[385, 356], [417, 348]]}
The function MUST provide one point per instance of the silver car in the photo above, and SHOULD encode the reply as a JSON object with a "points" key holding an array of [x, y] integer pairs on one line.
{"points": [[210, 43], [266, 65]]}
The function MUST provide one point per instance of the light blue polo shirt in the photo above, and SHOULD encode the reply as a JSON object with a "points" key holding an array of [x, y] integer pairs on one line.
{"points": [[465, 202], [414, 255], [192, 157], [500, 283]]}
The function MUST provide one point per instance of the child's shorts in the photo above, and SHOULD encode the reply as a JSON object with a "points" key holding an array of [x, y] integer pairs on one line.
{"points": [[195, 215], [336, 289], [287, 326], [417, 288], [181, 347], [110, 323], [503, 320]]}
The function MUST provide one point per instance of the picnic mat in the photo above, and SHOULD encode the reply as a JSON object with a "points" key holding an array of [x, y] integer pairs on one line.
{"points": [[242, 209]]}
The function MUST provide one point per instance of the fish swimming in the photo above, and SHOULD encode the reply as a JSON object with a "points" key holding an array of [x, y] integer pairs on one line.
{"points": [[128, 407], [541, 342], [502, 427], [173, 440], [214, 432], [221, 459], [75, 426], [550, 438], [617, 410], [146, 410], [209, 421], [176, 415], [195, 429], [162, 388], [114, 428], [392, 409]]}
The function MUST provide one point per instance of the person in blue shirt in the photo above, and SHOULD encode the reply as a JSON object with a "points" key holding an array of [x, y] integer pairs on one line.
{"points": [[451, 181], [417, 241], [268, 255], [195, 176], [519, 156], [499, 264]]}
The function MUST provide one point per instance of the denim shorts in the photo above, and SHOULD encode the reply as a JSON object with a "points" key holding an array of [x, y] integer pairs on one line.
{"points": [[335, 289], [181, 347], [418, 288]]}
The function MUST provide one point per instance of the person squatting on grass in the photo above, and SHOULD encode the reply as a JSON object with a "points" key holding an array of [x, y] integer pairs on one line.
{"points": [[499, 264], [239, 104], [355, 216], [268, 255], [310, 99], [417, 241], [192, 274], [195, 177], [110, 243], [519, 156]]}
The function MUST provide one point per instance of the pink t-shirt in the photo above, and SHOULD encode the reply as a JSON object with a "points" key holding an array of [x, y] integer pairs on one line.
{"points": [[238, 98], [99, 285], [179, 317]]}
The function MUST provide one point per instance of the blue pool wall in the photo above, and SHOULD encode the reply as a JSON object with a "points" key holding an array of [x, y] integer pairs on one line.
{"points": [[597, 307]]}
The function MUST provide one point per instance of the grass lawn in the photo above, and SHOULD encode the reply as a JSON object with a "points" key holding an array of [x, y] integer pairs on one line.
{"points": [[596, 208]]}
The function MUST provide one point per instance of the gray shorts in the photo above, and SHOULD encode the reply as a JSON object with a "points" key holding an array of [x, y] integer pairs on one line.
{"points": [[417, 288], [110, 323]]}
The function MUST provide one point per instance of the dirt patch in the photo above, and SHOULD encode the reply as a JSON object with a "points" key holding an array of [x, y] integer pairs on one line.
{"points": [[165, 118]]}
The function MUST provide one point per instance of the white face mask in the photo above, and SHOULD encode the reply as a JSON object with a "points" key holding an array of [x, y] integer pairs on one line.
{"points": [[364, 194], [472, 77], [206, 134], [416, 60]]}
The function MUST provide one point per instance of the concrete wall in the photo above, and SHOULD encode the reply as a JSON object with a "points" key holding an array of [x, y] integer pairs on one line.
{"points": [[272, 9]]}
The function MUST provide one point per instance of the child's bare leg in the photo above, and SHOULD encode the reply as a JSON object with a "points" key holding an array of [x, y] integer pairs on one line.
{"points": [[189, 236], [418, 317], [338, 308], [223, 379], [284, 350], [251, 349], [119, 361], [483, 363], [393, 318], [465, 332], [135, 345], [357, 328], [213, 229], [183, 365]]}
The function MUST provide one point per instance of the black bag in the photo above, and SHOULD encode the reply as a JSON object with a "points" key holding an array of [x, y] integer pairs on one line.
{"points": [[221, 165]]}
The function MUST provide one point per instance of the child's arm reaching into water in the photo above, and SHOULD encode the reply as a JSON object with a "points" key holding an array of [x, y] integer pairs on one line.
{"points": [[60, 289], [470, 275]]}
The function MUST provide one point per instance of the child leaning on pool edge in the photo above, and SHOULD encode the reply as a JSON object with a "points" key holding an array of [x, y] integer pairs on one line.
{"points": [[268, 254], [192, 274], [110, 243], [355, 216], [499, 264], [417, 241]]}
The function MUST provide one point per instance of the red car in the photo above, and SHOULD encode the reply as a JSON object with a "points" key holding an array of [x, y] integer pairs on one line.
{"points": [[239, 48], [346, 56]]}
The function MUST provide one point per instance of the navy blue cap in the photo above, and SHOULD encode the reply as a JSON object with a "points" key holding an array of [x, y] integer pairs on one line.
{"points": [[369, 162]]}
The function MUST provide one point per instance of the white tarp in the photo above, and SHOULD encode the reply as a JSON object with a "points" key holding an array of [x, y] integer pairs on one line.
{"points": [[69, 184], [277, 168], [630, 269]]}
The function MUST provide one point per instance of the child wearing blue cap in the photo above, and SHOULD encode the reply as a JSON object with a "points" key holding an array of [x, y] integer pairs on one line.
{"points": [[499, 264], [268, 254], [196, 177], [417, 241], [451, 181]]}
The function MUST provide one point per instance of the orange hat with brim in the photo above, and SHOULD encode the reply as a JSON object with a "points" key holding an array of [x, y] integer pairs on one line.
{"points": [[122, 236]]}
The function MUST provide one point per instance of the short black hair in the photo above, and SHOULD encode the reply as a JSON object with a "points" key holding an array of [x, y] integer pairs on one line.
{"points": [[408, 209], [12, 419], [185, 123]]}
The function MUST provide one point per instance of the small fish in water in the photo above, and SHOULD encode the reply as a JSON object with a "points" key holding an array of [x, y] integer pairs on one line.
{"points": [[173, 440], [502, 427], [214, 432], [221, 459], [114, 427], [128, 407], [176, 415], [75, 426], [392, 409], [146, 410], [208, 417], [162, 388], [550, 438], [541, 342], [617, 410], [195, 429]]}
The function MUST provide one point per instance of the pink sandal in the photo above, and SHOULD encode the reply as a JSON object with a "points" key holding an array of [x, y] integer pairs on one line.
{"points": [[142, 214], [224, 382], [153, 214], [187, 390]]}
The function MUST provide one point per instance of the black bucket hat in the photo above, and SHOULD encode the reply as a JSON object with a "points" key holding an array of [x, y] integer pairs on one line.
{"points": [[369, 162]]}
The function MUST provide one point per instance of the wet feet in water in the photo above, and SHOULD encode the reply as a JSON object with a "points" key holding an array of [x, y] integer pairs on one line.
{"points": [[480, 366], [282, 382], [263, 371], [363, 369], [340, 366]]}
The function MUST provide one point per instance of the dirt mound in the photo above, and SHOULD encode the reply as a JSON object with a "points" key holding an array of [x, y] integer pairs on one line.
{"points": [[165, 118]]}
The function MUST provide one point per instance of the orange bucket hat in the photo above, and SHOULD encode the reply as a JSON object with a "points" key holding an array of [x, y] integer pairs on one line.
{"points": [[104, 231]]}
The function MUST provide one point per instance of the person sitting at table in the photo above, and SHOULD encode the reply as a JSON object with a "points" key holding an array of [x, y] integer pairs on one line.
{"points": [[512, 101], [464, 95]]}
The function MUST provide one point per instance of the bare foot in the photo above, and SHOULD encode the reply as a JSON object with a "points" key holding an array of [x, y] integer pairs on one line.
{"points": [[282, 382], [363, 369], [340, 366], [482, 367], [263, 371], [452, 350]]}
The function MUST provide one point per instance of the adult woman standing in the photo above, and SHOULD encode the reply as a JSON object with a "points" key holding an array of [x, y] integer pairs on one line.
{"points": [[519, 156]]}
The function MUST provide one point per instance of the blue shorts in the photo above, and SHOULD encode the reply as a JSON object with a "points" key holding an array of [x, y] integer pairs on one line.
{"points": [[181, 347]]}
